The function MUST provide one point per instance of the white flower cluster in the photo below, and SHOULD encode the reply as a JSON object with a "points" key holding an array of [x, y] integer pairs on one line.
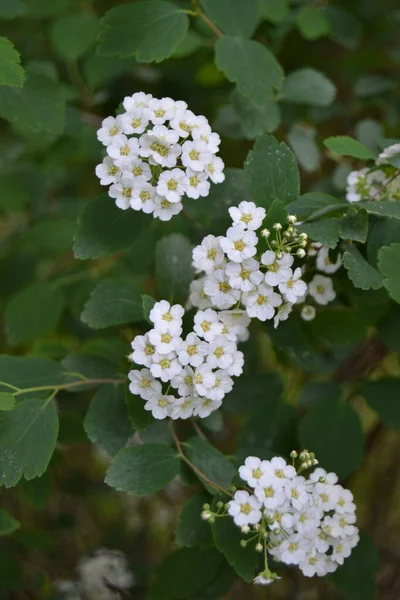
{"points": [[158, 151], [305, 522], [267, 284], [380, 182], [199, 367]]}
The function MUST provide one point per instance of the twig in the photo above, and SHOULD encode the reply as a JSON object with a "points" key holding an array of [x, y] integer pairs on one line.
{"points": [[206, 20], [384, 186], [198, 430], [62, 386]]}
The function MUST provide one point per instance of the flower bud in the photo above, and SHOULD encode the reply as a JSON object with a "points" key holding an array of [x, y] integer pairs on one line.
{"points": [[220, 504], [277, 226], [292, 218], [245, 529], [301, 253], [293, 454], [265, 233], [259, 547], [243, 543], [206, 506]]}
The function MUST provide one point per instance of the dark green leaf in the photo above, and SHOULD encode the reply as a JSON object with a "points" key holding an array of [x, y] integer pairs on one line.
{"points": [[388, 264], [361, 273], [347, 146], [383, 396], [383, 208], [14, 193], [174, 271], [255, 119], [7, 523], [382, 232], [253, 390], [346, 29], [312, 23], [371, 85], [113, 302], [11, 72], [28, 436], [192, 530], [311, 203], [107, 422], [147, 304], [12, 10], [209, 461], [357, 577], [7, 401], [318, 391], [301, 138], [143, 470], [333, 430], [274, 11], [354, 225], [233, 17], [73, 35], [308, 86], [338, 327], [369, 132], [325, 231], [139, 417], [29, 371], [149, 31], [91, 367]]}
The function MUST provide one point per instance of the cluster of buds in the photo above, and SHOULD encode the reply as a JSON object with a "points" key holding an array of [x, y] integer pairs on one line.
{"points": [[287, 240]]}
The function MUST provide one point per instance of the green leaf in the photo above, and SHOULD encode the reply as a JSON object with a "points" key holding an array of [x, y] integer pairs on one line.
{"points": [[105, 229], [301, 138], [37, 107], [343, 145], [312, 23], [369, 132], [272, 173], [308, 86], [357, 578], [185, 572], [192, 42], [354, 225], [209, 461], [174, 271], [383, 208], [143, 470], [233, 17], [325, 231], [113, 302], [227, 537], [29, 371], [7, 401], [254, 119], [337, 327], [140, 418], [14, 193], [33, 312], [361, 273], [150, 31], [313, 204], [332, 429], [99, 70], [107, 422], [73, 35], [382, 232], [28, 436], [91, 367], [388, 265], [192, 530], [373, 85], [383, 396], [346, 29], [274, 11], [7, 523], [251, 66], [147, 304], [11, 72], [11, 10]]}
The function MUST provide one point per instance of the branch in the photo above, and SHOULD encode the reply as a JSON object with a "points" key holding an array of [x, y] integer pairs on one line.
{"points": [[62, 386], [206, 20]]}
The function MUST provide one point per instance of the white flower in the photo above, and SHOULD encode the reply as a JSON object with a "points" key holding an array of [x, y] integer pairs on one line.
{"points": [[278, 467], [245, 509], [261, 304], [202, 132], [270, 492], [165, 366], [164, 342], [278, 269], [252, 470], [192, 351], [196, 184], [165, 210], [159, 148], [204, 380], [183, 122], [197, 295], [264, 578], [207, 324], [220, 291], [296, 492], [308, 313], [134, 122], [345, 501], [314, 563], [321, 289], [341, 549], [282, 314], [183, 408], [215, 169], [123, 150], [248, 215], [167, 318], [103, 570], [236, 367], [158, 111], [244, 276], [138, 100], [122, 192], [220, 353], [171, 185], [208, 255], [388, 153], [340, 526], [292, 551], [308, 520], [110, 128], [239, 243], [203, 407], [320, 474], [195, 155], [235, 322], [160, 405], [143, 196], [325, 264], [294, 287], [107, 171], [327, 495], [223, 384], [143, 384], [138, 168], [143, 350], [184, 381]]}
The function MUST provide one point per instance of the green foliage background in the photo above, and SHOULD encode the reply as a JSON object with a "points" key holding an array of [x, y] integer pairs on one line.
{"points": [[77, 278]]}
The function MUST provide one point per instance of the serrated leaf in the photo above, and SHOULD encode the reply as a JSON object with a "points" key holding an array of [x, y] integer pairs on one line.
{"points": [[383, 208], [104, 229], [11, 72], [383, 396], [325, 231], [7, 401], [73, 35], [354, 225], [106, 422], [312, 23], [7, 523], [343, 145], [388, 265], [233, 17], [150, 31], [33, 312], [174, 271], [308, 86], [28, 436], [209, 461], [361, 273], [333, 430], [255, 119], [192, 530], [313, 204], [113, 302], [143, 470], [251, 66], [272, 172]]}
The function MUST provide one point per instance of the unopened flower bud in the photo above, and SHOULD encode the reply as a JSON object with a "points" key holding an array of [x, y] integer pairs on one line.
{"points": [[245, 529], [243, 543], [220, 504], [292, 218], [206, 515], [265, 233], [279, 255], [276, 531], [277, 226], [206, 506], [259, 547], [301, 253], [293, 454]]}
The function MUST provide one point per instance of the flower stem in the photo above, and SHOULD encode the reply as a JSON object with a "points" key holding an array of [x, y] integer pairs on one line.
{"points": [[206, 20]]}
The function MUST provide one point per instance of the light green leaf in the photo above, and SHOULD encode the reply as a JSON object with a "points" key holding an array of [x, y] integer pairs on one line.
{"points": [[333, 430], [233, 17], [143, 470], [192, 530], [7, 523], [272, 172], [388, 265], [33, 312], [361, 273], [251, 66], [383, 208], [209, 461], [274, 11], [325, 231], [383, 396], [174, 271], [113, 302], [308, 86], [7, 401], [254, 119], [312, 23], [28, 436], [73, 35], [354, 225], [343, 145], [11, 72], [357, 578], [37, 107], [301, 138], [106, 422], [150, 31], [105, 229]]}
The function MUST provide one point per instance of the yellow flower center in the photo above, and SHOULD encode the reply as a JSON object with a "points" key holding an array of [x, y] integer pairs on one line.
{"points": [[194, 182], [165, 204], [295, 494], [219, 352], [245, 508], [244, 274], [246, 218], [137, 171], [239, 245], [113, 170], [159, 148], [293, 547], [136, 123], [206, 326], [148, 350], [324, 497], [166, 338], [256, 473], [269, 492], [191, 350], [172, 185], [113, 130], [210, 168], [159, 113], [261, 300], [165, 363], [279, 473], [127, 192], [144, 383], [144, 196], [163, 402], [194, 155], [185, 127], [188, 380], [224, 287], [320, 289], [167, 317], [212, 253], [124, 150], [274, 267]]}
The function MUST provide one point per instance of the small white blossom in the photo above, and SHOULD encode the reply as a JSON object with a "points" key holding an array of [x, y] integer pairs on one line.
{"points": [[192, 351], [278, 269], [167, 318], [217, 286], [171, 185], [110, 128], [165, 210], [207, 325], [244, 276], [239, 243], [143, 384], [325, 264], [321, 289], [108, 172], [248, 215], [160, 405], [165, 366], [294, 287], [143, 350], [208, 255], [245, 509], [261, 303], [196, 184], [308, 313]]}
